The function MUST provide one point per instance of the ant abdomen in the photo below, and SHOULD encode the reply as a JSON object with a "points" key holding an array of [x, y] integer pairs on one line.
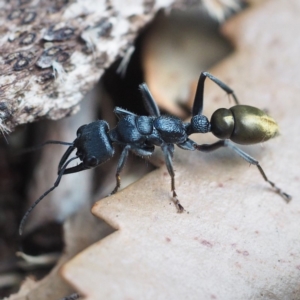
{"points": [[243, 125]]}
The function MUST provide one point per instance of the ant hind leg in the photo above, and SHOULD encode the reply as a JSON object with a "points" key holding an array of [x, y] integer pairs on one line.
{"points": [[246, 157], [198, 101]]}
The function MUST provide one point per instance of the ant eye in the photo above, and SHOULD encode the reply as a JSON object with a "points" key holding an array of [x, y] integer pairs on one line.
{"points": [[92, 161]]}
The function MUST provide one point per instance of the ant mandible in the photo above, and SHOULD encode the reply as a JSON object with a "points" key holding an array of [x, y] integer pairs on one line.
{"points": [[241, 124]]}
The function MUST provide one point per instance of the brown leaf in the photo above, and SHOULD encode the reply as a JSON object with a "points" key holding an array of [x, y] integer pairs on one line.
{"points": [[237, 238], [170, 70]]}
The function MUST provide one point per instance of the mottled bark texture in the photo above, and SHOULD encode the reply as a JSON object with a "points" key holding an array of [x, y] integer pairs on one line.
{"points": [[53, 52]]}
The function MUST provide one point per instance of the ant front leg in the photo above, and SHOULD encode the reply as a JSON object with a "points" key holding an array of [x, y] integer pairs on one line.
{"points": [[168, 150], [198, 101], [120, 167], [246, 157]]}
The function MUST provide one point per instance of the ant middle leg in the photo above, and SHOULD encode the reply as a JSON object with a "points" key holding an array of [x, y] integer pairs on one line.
{"points": [[120, 167], [145, 151], [246, 157], [168, 150], [149, 101]]}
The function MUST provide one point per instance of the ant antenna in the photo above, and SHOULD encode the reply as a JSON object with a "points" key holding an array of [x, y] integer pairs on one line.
{"points": [[42, 145], [56, 183], [55, 142]]}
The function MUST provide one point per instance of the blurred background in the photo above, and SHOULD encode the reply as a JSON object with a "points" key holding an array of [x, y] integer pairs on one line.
{"points": [[168, 55]]}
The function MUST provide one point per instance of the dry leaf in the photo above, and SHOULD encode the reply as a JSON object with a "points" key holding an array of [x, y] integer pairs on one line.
{"points": [[238, 239]]}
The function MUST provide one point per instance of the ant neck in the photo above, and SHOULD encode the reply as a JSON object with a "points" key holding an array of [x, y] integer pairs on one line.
{"points": [[199, 124]]}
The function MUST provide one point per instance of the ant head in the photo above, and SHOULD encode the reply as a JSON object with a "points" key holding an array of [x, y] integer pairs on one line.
{"points": [[93, 144], [93, 148]]}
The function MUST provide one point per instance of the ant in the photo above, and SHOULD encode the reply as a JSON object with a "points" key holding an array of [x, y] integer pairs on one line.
{"points": [[241, 124]]}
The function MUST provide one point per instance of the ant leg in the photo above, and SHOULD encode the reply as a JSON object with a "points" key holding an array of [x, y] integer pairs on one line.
{"points": [[246, 157], [188, 145], [121, 112], [120, 167], [223, 86], [198, 101], [149, 101], [143, 152], [170, 148], [167, 150]]}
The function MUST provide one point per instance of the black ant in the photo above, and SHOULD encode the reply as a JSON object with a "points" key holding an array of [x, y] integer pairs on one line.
{"points": [[241, 124]]}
